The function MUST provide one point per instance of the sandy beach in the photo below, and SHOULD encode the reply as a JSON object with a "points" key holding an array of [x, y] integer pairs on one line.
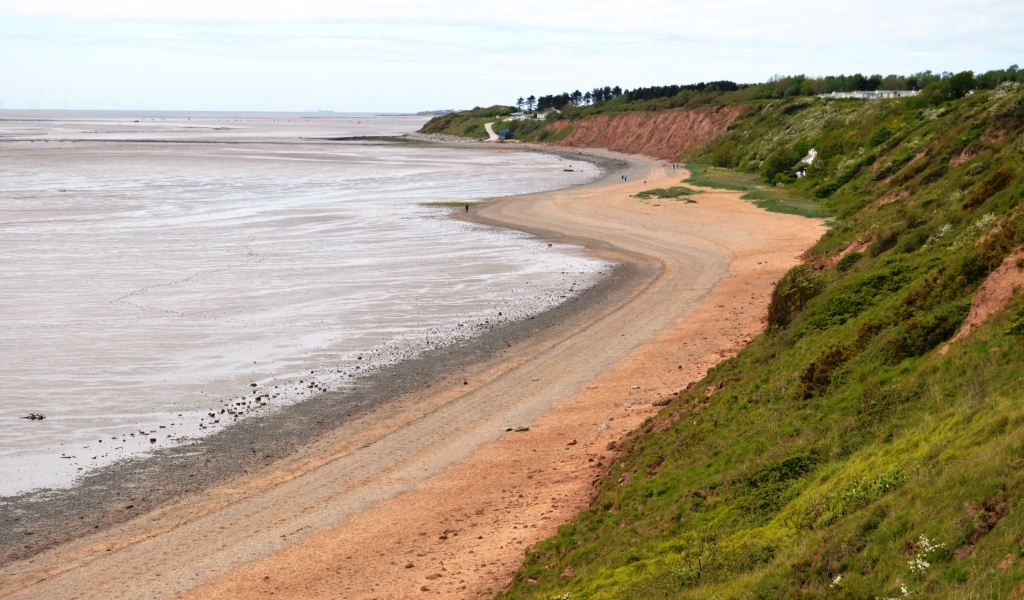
{"points": [[427, 495]]}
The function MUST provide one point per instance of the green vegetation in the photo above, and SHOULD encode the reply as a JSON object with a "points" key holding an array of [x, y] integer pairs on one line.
{"points": [[770, 198], [468, 123], [853, 449], [780, 202], [723, 179], [674, 192], [935, 87]]}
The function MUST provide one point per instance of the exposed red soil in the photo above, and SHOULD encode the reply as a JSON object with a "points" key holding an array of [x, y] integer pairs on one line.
{"points": [[966, 155], [893, 196], [1001, 286], [665, 135], [855, 246]]}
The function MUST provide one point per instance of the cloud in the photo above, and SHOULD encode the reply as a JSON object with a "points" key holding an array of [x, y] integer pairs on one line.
{"points": [[411, 55]]}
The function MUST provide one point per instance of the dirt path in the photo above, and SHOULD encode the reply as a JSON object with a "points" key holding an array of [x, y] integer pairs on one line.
{"points": [[429, 498], [491, 136]]}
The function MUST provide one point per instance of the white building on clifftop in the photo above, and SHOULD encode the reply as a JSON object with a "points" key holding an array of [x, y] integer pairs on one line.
{"points": [[876, 95]]}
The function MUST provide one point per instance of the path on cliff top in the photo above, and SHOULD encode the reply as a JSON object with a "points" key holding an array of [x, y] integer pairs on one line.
{"points": [[429, 493], [492, 137]]}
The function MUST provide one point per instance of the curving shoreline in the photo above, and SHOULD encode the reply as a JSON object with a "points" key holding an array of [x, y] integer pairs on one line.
{"points": [[39, 520], [356, 506]]}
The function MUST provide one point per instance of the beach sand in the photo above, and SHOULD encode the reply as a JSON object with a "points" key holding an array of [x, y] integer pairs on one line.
{"points": [[427, 496]]}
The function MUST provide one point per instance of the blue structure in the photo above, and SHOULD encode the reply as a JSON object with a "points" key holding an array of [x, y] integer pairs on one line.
{"points": [[506, 134]]}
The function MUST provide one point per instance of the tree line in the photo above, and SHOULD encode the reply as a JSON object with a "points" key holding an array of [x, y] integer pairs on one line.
{"points": [[945, 83], [560, 101]]}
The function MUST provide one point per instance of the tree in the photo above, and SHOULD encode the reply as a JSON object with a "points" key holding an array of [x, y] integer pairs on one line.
{"points": [[958, 85], [530, 102], [577, 97], [519, 103], [588, 98]]}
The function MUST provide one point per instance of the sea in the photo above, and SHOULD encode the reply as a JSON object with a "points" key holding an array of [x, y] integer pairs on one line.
{"points": [[165, 275]]}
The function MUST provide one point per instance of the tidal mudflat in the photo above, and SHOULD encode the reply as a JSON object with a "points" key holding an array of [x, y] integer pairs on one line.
{"points": [[165, 275]]}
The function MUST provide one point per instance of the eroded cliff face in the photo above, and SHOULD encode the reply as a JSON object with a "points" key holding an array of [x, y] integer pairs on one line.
{"points": [[665, 134]]}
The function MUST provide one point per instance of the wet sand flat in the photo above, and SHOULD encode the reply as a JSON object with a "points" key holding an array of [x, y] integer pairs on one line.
{"points": [[165, 279], [429, 497]]}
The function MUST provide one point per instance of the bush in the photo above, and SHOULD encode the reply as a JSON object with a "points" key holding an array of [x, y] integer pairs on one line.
{"points": [[996, 183], [997, 245], [778, 162], [793, 292], [1016, 326], [935, 174], [883, 242], [879, 136], [769, 488], [853, 298], [972, 269], [818, 375], [913, 241], [724, 155], [920, 335], [846, 263]]}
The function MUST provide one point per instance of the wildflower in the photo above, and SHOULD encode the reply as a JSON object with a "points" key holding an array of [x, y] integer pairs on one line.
{"points": [[918, 565], [837, 581]]}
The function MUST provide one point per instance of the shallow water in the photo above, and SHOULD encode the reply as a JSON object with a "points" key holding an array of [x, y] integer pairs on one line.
{"points": [[153, 271]]}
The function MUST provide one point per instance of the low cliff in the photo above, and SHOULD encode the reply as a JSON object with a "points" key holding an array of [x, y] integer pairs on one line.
{"points": [[666, 135]]}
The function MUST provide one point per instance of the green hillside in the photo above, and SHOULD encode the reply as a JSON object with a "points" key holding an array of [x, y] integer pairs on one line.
{"points": [[842, 454]]}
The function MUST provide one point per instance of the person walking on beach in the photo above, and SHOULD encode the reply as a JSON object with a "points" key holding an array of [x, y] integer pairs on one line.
{"points": [[467, 207]]}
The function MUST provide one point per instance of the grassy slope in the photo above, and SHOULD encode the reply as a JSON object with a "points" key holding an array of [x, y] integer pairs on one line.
{"points": [[471, 123], [840, 436], [774, 199]]}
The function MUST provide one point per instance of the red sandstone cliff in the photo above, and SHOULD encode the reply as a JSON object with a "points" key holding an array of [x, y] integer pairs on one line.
{"points": [[665, 134]]}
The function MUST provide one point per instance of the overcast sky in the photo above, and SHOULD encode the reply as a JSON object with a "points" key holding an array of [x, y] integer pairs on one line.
{"points": [[397, 56]]}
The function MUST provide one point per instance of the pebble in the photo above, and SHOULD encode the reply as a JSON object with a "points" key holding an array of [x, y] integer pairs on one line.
{"points": [[605, 426]]}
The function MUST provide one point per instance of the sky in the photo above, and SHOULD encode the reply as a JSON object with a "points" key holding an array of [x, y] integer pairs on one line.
{"points": [[404, 56]]}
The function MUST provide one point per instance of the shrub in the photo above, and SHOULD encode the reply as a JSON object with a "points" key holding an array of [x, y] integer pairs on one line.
{"points": [[1016, 326], [913, 241], [846, 263], [972, 269], [724, 155], [997, 182], [769, 488], [853, 298], [997, 245], [892, 166], [818, 375], [793, 292], [935, 174], [918, 336], [883, 241], [779, 161], [879, 136]]}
